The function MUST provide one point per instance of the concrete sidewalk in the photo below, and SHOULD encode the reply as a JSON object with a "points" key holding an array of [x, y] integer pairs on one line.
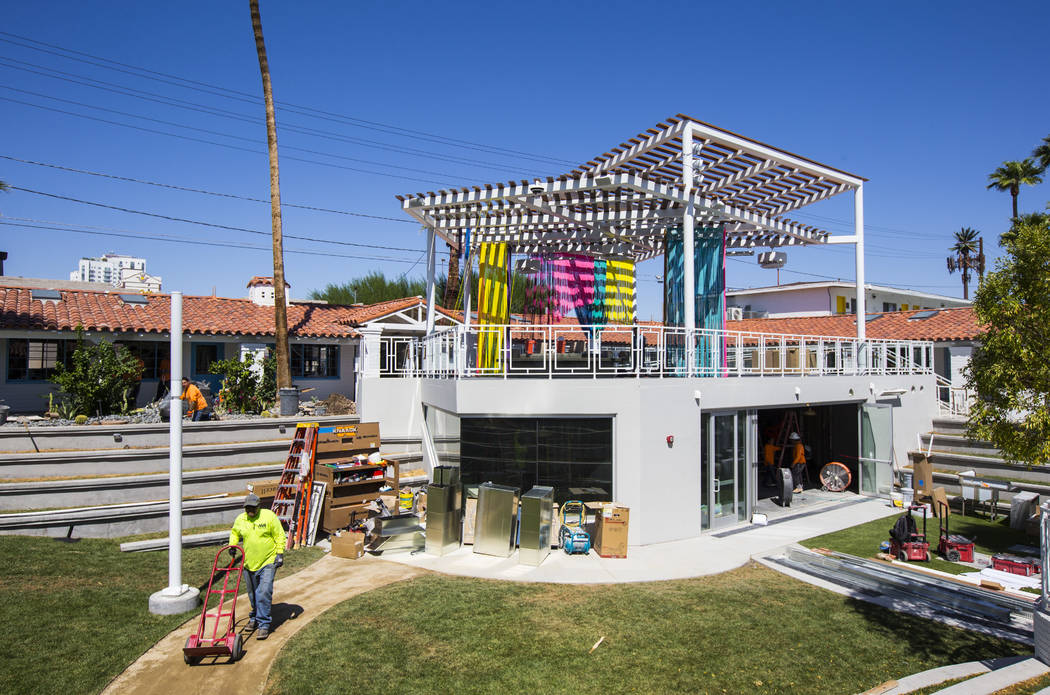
{"points": [[708, 554]]}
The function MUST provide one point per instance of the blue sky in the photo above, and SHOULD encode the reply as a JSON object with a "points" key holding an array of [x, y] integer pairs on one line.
{"points": [[923, 99]]}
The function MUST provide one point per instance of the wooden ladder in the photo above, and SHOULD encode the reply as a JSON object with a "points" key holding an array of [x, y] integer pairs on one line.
{"points": [[788, 424], [297, 473]]}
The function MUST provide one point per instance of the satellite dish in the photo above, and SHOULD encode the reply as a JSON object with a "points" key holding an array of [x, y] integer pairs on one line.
{"points": [[772, 260]]}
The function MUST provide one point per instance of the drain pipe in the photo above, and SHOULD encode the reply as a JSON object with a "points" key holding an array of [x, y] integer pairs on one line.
{"points": [[177, 597]]}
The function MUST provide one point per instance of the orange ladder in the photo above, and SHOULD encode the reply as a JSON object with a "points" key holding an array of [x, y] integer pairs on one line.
{"points": [[298, 471]]}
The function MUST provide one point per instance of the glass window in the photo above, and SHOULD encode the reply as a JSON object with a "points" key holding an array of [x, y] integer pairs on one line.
{"points": [[203, 356], [35, 360], [573, 455], [315, 360], [155, 357]]}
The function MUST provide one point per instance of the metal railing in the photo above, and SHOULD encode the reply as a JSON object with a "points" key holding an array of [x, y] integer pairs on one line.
{"points": [[644, 351], [953, 400]]}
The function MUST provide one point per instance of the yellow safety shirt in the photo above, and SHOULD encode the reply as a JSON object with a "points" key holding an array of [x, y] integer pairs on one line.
{"points": [[262, 538]]}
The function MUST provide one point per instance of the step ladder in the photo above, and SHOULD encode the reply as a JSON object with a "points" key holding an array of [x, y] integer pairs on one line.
{"points": [[298, 471], [788, 424]]}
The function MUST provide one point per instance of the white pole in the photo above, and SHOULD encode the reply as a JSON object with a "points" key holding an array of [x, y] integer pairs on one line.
{"points": [[858, 222], [468, 263], [688, 251], [430, 280], [175, 451]]}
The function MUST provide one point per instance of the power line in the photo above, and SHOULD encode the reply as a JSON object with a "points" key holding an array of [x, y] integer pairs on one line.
{"points": [[202, 191], [213, 225], [255, 99], [165, 100], [197, 242]]}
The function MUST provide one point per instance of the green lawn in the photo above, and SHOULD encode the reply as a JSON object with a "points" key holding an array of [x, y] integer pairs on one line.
{"points": [[751, 630], [79, 611], [989, 537]]}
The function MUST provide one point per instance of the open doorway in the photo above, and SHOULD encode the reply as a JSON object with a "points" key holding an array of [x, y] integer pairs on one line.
{"points": [[827, 433]]}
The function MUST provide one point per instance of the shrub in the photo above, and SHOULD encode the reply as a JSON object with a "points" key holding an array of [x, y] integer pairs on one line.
{"points": [[81, 419], [240, 385], [99, 378], [266, 393]]}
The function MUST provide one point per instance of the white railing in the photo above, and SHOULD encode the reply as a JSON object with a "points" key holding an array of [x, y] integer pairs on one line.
{"points": [[644, 351], [953, 400]]}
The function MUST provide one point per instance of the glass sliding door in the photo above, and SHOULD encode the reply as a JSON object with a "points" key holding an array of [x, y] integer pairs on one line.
{"points": [[724, 469], [876, 449]]}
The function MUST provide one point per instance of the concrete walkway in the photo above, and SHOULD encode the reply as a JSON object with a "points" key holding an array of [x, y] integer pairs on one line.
{"points": [[708, 554], [299, 598]]}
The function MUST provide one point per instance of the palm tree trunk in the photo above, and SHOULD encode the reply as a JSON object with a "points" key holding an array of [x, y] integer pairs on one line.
{"points": [[1013, 194], [452, 284], [966, 282], [280, 306]]}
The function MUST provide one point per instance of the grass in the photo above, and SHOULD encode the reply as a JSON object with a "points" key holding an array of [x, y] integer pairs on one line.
{"points": [[751, 630], [1028, 687], [79, 610], [989, 537]]}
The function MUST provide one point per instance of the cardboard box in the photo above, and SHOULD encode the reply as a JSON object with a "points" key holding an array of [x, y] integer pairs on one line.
{"points": [[264, 488], [336, 518], [922, 478], [347, 440], [470, 514], [610, 531], [348, 544]]}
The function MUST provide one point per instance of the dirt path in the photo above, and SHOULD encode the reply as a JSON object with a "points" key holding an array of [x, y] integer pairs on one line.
{"points": [[298, 599]]}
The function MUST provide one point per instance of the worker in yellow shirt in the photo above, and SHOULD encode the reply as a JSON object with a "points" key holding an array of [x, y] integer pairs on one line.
{"points": [[198, 404], [798, 460], [260, 533]]}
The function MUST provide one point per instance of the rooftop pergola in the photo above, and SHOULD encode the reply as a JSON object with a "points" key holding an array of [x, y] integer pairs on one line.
{"points": [[679, 174]]}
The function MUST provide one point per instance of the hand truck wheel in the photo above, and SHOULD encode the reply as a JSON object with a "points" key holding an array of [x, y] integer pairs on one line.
{"points": [[190, 660], [238, 649]]}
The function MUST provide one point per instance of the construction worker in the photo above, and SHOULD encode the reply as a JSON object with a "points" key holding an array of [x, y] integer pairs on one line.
{"points": [[798, 460], [769, 458], [259, 532], [198, 404]]}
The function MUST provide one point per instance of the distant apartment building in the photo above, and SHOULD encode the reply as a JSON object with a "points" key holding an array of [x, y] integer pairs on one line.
{"points": [[118, 270], [829, 299]]}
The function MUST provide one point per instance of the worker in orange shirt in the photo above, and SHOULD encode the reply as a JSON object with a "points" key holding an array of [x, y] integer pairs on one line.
{"points": [[195, 398], [769, 458], [798, 460]]}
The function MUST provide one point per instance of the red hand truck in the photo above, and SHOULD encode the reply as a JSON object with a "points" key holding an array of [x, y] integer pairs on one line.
{"points": [[228, 642]]}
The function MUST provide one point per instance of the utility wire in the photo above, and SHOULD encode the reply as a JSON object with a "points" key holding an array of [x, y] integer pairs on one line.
{"points": [[216, 90], [197, 242], [202, 191], [205, 224]]}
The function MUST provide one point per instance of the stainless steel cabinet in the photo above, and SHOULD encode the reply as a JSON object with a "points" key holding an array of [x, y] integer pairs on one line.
{"points": [[537, 518], [495, 529]]}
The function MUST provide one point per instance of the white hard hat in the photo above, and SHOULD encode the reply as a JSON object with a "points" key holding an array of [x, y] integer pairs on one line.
{"points": [[794, 436]]}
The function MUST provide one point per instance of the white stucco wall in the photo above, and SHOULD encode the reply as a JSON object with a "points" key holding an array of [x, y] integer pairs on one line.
{"points": [[661, 484]]}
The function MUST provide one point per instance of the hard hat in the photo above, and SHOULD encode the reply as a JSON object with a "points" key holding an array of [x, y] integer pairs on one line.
{"points": [[794, 436]]}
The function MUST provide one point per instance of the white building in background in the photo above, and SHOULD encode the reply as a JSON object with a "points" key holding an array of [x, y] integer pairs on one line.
{"points": [[110, 269], [829, 299], [138, 281]]}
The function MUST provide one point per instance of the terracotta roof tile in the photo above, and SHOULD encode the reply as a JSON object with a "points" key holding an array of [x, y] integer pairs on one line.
{"points": [[946, 324], [200, 315]]}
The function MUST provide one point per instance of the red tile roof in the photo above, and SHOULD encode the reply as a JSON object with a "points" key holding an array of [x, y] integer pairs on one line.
{"points": [[105, 311], [947, 324]]}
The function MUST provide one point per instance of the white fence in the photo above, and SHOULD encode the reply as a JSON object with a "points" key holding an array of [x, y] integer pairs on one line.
{"points": [[642, 351]]}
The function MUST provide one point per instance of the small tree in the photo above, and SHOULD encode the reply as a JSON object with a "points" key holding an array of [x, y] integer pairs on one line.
{"points": [[266, 391], [1010, 371], [239, 391], [99, 379]]}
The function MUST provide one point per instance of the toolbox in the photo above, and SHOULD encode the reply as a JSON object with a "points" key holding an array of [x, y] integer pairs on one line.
{"points": [[1013, 564]]}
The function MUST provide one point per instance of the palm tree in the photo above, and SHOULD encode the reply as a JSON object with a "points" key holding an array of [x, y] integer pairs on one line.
{"points": [[1042, 154], [452, 286], [280, 306], [1012, 175], [966, 245]]}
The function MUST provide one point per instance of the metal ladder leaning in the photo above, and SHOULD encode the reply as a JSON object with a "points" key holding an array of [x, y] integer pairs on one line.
{"points": [[297, 471]]}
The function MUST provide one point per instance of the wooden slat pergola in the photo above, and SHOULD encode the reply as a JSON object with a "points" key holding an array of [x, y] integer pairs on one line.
{"points": [[680, 173]]}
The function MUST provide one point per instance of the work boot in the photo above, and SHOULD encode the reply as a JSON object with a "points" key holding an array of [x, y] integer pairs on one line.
{"points": [[797, 490], [263, 633]]}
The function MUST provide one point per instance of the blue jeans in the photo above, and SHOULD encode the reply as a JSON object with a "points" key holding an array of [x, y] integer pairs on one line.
{"points": [[260, 593], [199, 415]]}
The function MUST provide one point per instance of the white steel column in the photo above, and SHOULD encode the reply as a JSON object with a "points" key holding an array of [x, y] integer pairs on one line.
{"points": [[465, 278], [431, 261], [858, 222], [177, 597], [688, 236]]}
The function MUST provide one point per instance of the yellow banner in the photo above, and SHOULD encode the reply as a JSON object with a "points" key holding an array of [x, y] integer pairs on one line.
{"points": [[493, 261], [620, 292]]}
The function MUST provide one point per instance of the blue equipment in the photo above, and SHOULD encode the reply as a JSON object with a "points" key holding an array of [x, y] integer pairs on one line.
{"points": [[575, 542]]}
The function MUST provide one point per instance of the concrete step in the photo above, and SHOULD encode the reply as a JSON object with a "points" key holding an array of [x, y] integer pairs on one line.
{"points": [[950, 425], [113, 521], [76, 464], [985, 466], [191, 541], [92, 437], [134, 488], [958, 444], [999, 679]]}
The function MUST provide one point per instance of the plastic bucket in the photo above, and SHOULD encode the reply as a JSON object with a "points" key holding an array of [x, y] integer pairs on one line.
{"points": [[907, 495], [405, 499]]}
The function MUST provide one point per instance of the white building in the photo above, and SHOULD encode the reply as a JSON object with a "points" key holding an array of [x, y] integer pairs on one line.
{"points": [[828, 299], [139, 281], [261, 291], [668, 420], [108, 269]]}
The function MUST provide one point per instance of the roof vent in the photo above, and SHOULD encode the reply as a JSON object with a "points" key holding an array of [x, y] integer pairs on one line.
{"points": [[45, 295], [133, 298]]}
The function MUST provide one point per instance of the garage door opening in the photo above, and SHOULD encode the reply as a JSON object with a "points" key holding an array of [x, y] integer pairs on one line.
{"points": [[828, 433]]}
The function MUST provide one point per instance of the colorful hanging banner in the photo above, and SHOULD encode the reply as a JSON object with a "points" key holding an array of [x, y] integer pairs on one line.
{"points": [[619, 292], [709, 297], [493, 261], [597, 313]]}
